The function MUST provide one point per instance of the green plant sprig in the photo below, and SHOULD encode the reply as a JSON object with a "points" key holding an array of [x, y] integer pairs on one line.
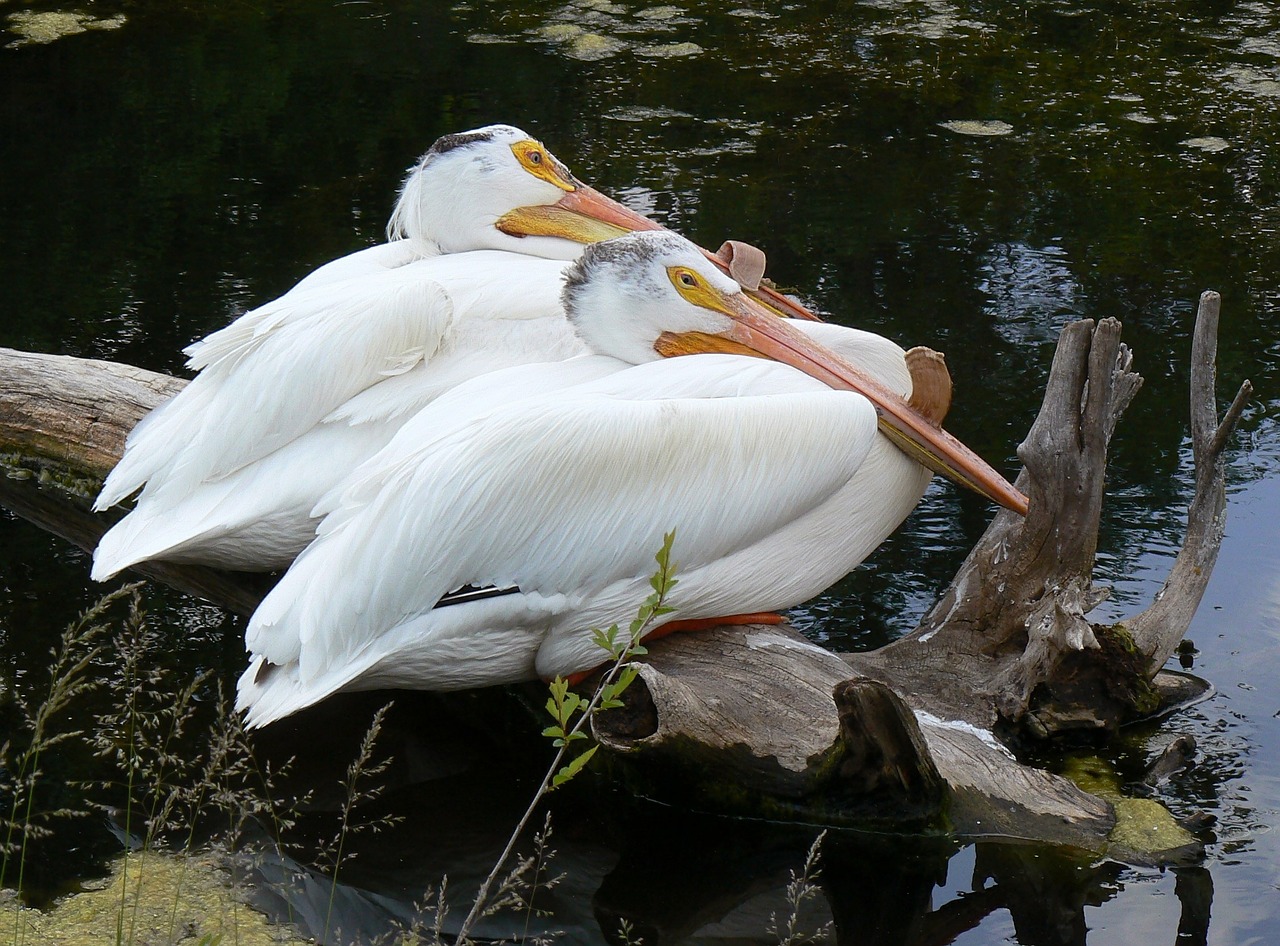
{"points": [[571, 713]]}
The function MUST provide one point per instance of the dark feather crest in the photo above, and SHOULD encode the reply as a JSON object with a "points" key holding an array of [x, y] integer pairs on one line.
{"points": [[447, 143]]}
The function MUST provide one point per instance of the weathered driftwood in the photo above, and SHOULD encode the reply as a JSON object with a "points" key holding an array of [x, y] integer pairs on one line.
{"points": [[1007, 648], [1008, 645], [756, 719], [1157, 631], [744, 719]]}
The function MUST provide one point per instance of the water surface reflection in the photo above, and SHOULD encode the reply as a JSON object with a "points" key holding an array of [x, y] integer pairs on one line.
{"points": [[675, 876], [163, 176]]}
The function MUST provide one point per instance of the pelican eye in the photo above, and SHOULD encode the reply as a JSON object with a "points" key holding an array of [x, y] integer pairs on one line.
{"points": [[695, 288], [538, 161], [687, 282]]}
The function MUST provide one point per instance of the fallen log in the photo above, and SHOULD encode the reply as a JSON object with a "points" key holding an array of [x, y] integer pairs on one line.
{"points": [[758, 720], [63, 423]]}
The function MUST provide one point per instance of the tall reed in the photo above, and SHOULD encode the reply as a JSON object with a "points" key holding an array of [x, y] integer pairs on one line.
{"points": [[70, 678]]}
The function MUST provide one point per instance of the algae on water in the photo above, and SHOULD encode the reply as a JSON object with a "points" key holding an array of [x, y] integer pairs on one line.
{"points": [[659, 13], [44, 27], [590, 46], [1212, 144], [157, 898], [1145, 829], [560, 32], [669, 50], [979, 129]]}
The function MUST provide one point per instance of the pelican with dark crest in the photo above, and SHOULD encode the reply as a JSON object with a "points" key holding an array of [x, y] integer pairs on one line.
{"points": [[294, 394]]}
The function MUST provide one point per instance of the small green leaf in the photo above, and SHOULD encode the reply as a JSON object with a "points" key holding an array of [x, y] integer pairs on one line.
{"points": [[573, 768], [664, 553], [571, 703], [606, 640]]}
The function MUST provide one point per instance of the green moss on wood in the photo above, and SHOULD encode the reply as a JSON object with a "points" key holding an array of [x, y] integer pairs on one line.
{"points": [[74, 483], [1119, 646]]}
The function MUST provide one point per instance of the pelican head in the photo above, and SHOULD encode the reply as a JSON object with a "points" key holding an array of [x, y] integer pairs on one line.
{"points": [[621, 296], [645, 296], [498, 188]]}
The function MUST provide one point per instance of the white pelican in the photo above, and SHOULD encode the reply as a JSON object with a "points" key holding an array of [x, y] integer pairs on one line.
{"points": [[291, 396], [481, 545]]}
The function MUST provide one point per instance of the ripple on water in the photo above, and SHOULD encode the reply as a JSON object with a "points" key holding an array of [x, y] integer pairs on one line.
{"points": [[1253, 81], [1031, 291], [1262, 45], [934, 21], [644, 113]]}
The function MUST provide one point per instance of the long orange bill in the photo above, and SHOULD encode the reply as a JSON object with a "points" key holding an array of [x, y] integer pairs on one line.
{"points": [[763, 334], [587, 202]]}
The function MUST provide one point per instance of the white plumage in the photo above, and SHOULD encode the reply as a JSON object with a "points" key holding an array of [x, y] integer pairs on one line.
{"points": [[294, 394], [775, 484], [257, 442]]}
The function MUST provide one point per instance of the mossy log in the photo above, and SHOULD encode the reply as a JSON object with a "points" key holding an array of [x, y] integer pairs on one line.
{"points": [[757, 720]]}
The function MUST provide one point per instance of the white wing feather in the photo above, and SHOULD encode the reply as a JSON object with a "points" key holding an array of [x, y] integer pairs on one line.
{"points": [[366, 262], [261, 516], [281, 369], [562, 496], [257, 518]]}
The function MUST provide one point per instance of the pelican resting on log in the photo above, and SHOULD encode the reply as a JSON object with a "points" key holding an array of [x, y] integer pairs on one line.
{"points": [[520, 510], [294, 394]]}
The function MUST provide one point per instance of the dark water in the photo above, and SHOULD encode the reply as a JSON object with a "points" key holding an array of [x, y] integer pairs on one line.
{"points": [[161, 176]]}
